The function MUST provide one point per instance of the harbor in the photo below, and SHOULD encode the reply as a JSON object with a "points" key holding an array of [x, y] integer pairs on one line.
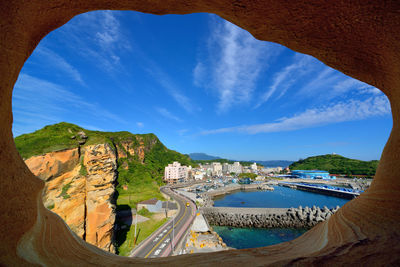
{"points": [[348, 193]]}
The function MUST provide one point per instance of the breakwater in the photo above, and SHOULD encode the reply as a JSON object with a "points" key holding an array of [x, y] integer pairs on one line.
{"points": [[331, 191], [267, 217], [238, 187]]}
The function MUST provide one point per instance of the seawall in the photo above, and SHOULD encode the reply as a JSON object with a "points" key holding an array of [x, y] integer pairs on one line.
{"points": [[267, 217]]}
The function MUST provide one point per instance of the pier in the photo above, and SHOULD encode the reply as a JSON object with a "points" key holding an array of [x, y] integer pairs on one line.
{"points": [[323, 189]]}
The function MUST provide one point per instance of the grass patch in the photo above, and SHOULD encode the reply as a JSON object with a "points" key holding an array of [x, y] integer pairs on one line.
{"points": [[145, 212], [64, 190], [140, 193], [83, 170], [144, 229]]}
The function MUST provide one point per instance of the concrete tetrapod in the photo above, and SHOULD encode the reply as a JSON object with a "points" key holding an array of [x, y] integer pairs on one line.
{"points": [[359, 38]]}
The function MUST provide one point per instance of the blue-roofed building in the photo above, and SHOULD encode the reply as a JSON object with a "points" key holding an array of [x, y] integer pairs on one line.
{"points": [[312, 174]]}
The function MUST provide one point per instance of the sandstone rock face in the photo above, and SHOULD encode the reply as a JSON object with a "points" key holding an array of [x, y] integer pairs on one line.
{"points": [[358, 38], [129, 148], [53, 164], [82, 199], [101, 163]]}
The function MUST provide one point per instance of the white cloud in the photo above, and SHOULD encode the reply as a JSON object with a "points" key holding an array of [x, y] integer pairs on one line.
{"points": [[198, 74], [167, 114], [109, 31], [98, 37], [236, 60], [339, 112], [283, 80], [38, 102], [59, 62], [182, 132], [324, 79], [172, 89], [140, 124]]}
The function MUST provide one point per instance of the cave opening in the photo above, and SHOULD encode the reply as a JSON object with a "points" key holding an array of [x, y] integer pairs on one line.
{"points": [[321, 229]]}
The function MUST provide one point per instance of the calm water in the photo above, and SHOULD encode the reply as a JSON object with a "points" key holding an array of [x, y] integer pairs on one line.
{"points": [[281, 197], [252, 237]]}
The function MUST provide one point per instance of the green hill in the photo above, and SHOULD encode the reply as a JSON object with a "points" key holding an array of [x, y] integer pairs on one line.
{"points": [[142, 176], [337, 164]]}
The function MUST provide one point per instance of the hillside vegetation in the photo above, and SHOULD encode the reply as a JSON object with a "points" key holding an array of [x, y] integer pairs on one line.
{"points": [[141, 176], [337, 164]]}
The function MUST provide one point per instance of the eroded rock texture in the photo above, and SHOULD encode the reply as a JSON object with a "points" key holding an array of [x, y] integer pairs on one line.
{"points": [[359, 38], [133, 148], [83, 198], [101, 164]]}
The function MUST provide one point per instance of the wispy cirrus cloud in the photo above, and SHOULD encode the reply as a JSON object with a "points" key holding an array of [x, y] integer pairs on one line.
{"points": [[327, 84], [98, 37], [162, 78], [339, 112], [167, 114], [308, 78], [60, 63], [236, 60], [287, 77], [37, 102]]}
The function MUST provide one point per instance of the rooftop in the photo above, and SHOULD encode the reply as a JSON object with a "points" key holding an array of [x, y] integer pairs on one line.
{"points": [[152, 201]]}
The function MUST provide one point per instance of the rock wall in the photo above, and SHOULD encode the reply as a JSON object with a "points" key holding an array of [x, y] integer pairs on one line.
{"points": [[128, 147], [79, 187], [268, 217]]}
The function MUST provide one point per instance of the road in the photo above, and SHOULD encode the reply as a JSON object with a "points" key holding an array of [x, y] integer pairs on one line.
{"points": [[162, 241]]}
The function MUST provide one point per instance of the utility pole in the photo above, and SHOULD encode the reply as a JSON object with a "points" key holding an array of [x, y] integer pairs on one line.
{"points": [[166, 209], [136, 221], [173, 233]]}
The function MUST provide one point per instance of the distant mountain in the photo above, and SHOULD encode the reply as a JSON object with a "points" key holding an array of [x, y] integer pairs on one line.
{"points": [[267, 163], [202, 156], [337, 164]]}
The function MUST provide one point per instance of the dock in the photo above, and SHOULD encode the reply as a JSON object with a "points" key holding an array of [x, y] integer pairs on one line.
{"points": [[338, 192]]}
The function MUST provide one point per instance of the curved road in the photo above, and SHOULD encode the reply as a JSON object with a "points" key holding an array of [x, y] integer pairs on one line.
{"points": [[162, 241]]}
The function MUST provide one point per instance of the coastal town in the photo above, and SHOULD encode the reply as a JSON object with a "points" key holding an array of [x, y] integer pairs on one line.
{"points": [[199, 186]]}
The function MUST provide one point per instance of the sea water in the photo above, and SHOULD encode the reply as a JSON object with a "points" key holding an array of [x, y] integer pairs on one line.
{"points": [[254, 237], [281, 197]]}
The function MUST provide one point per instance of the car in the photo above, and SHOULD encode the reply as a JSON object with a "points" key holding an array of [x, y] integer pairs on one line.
{"points": [[187, 204]]}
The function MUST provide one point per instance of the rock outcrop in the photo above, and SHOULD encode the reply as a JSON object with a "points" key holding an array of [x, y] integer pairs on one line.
{"points": [[132, 148], [79, 187], [100, 162]]}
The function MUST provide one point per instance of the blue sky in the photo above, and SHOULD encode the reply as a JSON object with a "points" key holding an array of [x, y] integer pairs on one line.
{"points": [[201, 84]]}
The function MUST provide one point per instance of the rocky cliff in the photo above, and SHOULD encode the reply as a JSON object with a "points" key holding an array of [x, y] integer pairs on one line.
{"points": [[80, 184], [84, 173]]}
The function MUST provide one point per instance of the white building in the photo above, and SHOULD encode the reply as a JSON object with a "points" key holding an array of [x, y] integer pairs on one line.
{"points": [[216, 168], [253, 166], [226, 168], [175, 172], [237, 167], [272, 170], [199, 175]]}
